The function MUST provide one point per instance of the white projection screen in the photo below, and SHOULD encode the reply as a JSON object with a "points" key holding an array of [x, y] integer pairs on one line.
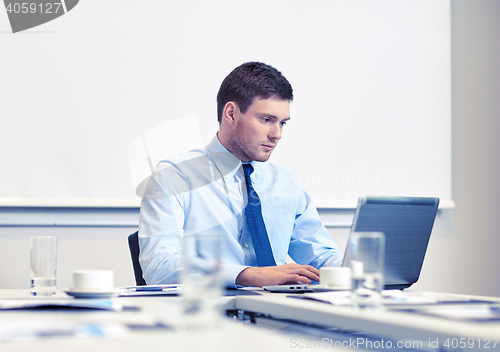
{"points": [[371, 78]]}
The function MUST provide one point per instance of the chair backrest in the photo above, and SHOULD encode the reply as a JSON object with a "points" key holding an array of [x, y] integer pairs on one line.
{"points": [[133, 243]]}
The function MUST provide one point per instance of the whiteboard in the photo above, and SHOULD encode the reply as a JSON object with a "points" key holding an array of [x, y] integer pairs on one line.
{"points": [[372, 85]]}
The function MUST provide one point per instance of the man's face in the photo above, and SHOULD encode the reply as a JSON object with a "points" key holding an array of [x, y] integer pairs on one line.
{"points": [[257, 132]]}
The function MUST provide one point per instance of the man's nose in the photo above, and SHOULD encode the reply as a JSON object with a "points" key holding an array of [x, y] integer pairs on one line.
{"points": [[275, 132]]}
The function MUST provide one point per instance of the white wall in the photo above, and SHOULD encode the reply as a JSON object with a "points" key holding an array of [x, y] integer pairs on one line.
{"points": [[476, 129], [372, 75], [463, 252], [462, 255], [78, 248]]}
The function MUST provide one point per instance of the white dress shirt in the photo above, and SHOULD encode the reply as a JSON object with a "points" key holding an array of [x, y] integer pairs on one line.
{"points": [[204, 192]]}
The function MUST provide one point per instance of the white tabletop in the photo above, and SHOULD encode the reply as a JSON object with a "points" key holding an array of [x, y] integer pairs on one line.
{"points": [[229, 335], [226, 336], [385, 323]]}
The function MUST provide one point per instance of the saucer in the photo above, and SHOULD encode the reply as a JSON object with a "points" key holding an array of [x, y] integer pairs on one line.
{"points": [[325, 288], [78, 293]]}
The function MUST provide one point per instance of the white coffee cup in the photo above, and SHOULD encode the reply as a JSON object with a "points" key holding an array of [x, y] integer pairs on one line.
{"points": [[93, 280], [335, 276]]}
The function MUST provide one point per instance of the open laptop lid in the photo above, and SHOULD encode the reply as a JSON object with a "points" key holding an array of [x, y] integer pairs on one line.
{"points": [[407, 224]]}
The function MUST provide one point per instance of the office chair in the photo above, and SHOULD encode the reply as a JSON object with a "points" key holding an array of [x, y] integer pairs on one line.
{"points": [[133, 243]]}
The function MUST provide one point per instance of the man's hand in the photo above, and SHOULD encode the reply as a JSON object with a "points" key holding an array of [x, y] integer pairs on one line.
{"points": [[277, 275]]}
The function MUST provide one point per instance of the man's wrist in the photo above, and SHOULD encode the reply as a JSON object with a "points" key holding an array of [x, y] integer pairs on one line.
{"points": [[244, 278]]}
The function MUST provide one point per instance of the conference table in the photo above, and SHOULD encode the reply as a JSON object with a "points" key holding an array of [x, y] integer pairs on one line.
{"points": [[262, 321], [426, 321], [146, 324]]}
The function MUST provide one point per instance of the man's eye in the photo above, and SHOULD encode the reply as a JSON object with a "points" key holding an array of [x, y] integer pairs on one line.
{"points": [[283, 123]]}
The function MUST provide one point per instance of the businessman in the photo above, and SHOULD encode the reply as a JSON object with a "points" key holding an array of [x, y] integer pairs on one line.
{"points": [[229, 188]]}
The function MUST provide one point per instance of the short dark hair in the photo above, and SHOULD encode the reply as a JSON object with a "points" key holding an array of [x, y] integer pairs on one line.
{"points": [[249, 81]]}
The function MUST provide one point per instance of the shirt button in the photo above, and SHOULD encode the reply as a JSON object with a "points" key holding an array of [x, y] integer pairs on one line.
{"points": [[246, 245]]}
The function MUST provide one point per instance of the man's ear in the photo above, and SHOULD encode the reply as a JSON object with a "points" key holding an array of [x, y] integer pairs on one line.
{"points": [[230, 112]]}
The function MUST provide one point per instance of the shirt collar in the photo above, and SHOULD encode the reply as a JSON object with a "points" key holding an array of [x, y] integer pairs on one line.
{"points": [[226, 162]]}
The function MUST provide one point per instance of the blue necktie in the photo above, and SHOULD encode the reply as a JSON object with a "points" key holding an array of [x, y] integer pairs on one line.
{"points": [[253, 210]]}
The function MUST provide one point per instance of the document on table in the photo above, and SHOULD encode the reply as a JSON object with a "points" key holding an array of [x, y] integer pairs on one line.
{"points": [[31, 330], [106, 304], [102, 318], [442, 306], [150, 290], [463, 312], [389, 297]]}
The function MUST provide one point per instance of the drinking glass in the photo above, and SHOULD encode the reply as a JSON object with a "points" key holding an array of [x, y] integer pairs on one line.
{"points": [[43, 253], [201, 280], [366, 260]]}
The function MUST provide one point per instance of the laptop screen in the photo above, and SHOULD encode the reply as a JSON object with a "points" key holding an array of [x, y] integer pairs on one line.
{"points": [[407, 225]]}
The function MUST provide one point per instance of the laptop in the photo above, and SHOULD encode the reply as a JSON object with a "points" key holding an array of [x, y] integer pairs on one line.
{"points": [[407, 224]]}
